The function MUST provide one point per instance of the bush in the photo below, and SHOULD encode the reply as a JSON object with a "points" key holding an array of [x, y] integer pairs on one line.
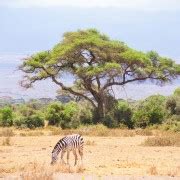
{"points": [[32, 121], [171, 105], [123, 114], [119, 116], [150, 111], [6, 117], [172, 123], [85, 113], [55, 114], [110, 121], [71, 116]]}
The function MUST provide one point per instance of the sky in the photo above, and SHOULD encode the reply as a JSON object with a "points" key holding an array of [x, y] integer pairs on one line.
{"points": [[29, 26]]}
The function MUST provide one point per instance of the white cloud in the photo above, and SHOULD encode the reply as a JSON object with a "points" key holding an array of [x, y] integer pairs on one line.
{"points": [[126, 4]]}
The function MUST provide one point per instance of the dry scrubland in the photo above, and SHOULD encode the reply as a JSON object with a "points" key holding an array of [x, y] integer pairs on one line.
{"points": [[27, 153]]}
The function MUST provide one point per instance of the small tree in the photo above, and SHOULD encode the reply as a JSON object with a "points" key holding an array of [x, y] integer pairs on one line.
{"points": [[6, 116], [150, 111], [123, 113], [71, 116], [31, 122], [55, 114], [96, 63]]}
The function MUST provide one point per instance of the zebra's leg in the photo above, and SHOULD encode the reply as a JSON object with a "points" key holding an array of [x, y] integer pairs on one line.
{"points": [[68, 157], [62, 154], [75, 155], [81, 154]]}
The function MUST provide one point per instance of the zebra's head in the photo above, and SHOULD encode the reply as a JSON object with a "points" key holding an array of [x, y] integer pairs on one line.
{"points": [[54, 157]]}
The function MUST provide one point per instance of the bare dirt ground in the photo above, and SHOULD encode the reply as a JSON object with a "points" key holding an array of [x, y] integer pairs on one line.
{"points": [[114, 156]]}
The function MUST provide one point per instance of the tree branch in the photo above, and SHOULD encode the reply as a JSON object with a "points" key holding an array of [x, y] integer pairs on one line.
{"points": [[72, 91], [127, 81]]}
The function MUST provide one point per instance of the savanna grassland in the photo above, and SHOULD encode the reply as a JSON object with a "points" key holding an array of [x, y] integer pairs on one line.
{"points": [[113, 152]]}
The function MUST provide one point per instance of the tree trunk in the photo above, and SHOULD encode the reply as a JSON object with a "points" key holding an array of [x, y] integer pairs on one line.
{"points": [[100, 112]]}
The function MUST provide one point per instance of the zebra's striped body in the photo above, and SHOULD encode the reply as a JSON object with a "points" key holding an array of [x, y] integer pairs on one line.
{"points": [[66, 144]]}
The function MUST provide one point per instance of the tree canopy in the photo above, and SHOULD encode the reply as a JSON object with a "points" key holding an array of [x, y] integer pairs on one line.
{"points": [[96, 63]]}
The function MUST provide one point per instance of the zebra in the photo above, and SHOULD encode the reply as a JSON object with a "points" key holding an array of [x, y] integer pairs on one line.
{"points": [[68, 143]]}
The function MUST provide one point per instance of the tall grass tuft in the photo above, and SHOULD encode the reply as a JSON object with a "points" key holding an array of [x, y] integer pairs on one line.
{"points": [[166, 140], [6, 141], [6, 132]]}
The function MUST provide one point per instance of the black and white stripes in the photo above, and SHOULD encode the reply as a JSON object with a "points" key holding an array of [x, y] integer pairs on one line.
{"points": [[66, 144]]}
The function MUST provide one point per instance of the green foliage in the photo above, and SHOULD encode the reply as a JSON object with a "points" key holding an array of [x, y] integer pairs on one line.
{"points": [[150, 111], [110, 121], [123, 114], [71, 119], [177, 92], [96, 63], [119, 115], [171, 105], [6, 116], [85, 113], [69, 115], [31, 122], [55, 114], [27, 116]]}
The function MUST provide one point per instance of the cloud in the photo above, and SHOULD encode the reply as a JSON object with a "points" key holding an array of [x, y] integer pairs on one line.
{"points": [[125, 4]]}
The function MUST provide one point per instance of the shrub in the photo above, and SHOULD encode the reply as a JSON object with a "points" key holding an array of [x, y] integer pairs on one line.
{"points": [[173, 124], [71, 116], [6, 117], [110, 121], [32, 121], [123, 114], [171, 105], [25, 110], [119, 116], [85, 113], [55, 114], [150, 111]]}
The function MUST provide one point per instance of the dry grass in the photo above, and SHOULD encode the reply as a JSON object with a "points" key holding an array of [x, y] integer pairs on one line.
{"points": [[36, 171], [91, 130], [44, 172], [167, 140], [143, 132], [90, 143], [6, 141], [152, 170], [31, 133], [6, 132], [99, 130], [31, 157], [63, 168], [174, 172], [54, 130]]}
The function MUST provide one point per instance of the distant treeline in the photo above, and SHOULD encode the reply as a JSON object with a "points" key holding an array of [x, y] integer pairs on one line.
{"points": [[156, 111]]}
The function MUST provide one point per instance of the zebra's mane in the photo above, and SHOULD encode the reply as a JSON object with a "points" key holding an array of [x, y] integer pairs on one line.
{"points": [[56, 146]]}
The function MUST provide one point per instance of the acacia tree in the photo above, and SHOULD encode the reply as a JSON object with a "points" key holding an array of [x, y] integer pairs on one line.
{"points": [[96, 63]]}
